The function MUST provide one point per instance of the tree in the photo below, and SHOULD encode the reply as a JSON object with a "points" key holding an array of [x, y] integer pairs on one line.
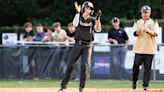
{"points": [[17, 12]]}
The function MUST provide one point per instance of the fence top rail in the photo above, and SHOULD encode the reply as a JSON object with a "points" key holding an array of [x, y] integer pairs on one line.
{"points": [[67, 44]]}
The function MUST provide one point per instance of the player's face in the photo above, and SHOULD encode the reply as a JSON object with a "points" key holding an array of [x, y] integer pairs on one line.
{"points": [[116, 24], [71, 29], [28, 28], [49, 31], [145, 15], [87, 10], [39, 29], [58, 28]]}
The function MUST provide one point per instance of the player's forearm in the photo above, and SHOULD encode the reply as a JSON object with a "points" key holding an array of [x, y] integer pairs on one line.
{"points": [[76, 19], [111, 39], [137, 33], [98, 26], [54, 38], [59, 39], [126, 43], [152, 33], [51, 37], [45, 39], [69, 38]]}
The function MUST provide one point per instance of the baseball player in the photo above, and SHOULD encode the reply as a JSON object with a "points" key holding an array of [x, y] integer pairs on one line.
{"points": [[145, 47], [85, 26]]}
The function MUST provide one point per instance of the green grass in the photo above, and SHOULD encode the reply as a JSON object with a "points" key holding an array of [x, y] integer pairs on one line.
{"points": [[90, 84]]}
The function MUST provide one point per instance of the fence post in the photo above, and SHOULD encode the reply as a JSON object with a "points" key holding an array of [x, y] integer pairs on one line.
{"points": [[154, 71]]}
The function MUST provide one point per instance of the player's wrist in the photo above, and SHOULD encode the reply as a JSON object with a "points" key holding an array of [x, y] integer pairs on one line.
{"points": [[77, 12], [97, 17], [113, 40], [98, 14]]}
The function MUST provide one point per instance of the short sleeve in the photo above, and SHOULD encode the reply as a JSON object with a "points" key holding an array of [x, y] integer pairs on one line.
{"points": [[109, 34], [156, 28], [125, 36], [134, 29]]}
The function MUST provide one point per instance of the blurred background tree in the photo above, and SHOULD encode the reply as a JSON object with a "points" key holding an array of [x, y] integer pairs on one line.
{"points": [[17, 12]]}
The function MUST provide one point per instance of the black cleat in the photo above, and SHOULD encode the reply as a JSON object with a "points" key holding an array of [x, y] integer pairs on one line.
{"points": [[134, 85], [145, 88]]}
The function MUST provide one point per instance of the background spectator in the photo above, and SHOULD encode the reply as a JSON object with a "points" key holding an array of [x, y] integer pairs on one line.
{"points": [[40, 34], [119, 38], [28, 33]]}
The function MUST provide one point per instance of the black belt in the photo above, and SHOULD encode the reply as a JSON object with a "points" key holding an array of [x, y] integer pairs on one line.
{"points": [[82, 42]]}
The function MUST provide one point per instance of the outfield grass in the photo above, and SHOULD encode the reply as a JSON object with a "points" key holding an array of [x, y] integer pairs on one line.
{"points": [[73, 84]]}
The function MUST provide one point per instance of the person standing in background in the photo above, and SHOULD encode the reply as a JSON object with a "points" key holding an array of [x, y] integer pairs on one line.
{"points": [[29, 33], [40, 34], [119, 39]]}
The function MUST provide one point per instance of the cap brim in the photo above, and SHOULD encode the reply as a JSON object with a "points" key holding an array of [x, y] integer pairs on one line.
{"points": [[145, 11]]}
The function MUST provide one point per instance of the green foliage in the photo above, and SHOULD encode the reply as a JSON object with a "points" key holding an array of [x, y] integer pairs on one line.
{"points": [[17, 12], [45, 22], [161, 22]]}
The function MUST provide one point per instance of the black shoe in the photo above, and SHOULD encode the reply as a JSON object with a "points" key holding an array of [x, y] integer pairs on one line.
{"points": [[134, 85], [145, 88]]}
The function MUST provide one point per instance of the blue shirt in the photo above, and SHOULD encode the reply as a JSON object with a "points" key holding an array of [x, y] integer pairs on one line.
{"points": [[39, 36]]}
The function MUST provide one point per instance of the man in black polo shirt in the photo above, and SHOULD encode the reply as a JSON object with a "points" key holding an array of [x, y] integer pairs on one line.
{"points": [[118, 37], [85, 26]]}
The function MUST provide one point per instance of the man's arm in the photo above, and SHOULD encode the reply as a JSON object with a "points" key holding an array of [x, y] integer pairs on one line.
{"points": [[138, 31], [53, 38], [76, 19], [98, 26], [98, 23], [77, 16], [153, 32], [126, 43], [67, 37], [114, 41]]}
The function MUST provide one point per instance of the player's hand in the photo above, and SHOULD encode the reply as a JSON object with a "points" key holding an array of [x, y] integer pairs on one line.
{"points": [[126, 46], [98, 14], [49, 33], [71, 39], [115, 42], [142, 28], [77, 7], [146, 30]]}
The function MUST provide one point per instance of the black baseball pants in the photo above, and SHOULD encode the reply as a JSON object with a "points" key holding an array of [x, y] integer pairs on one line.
{"points": [[85, 52], [146, 60]]}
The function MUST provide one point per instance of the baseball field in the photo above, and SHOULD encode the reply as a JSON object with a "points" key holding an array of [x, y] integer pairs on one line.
{"points": [[91, 86]]}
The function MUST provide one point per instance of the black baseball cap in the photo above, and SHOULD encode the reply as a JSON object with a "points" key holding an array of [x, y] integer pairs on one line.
{"points": [[115, 19]]}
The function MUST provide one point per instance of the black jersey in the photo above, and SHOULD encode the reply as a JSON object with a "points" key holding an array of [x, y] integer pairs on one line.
{"points": [[120, 35], [85, 29], [70, 34], [26, 34]]}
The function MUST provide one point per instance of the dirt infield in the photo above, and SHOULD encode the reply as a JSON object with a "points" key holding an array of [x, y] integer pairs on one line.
{"points": [[75, 90]]}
